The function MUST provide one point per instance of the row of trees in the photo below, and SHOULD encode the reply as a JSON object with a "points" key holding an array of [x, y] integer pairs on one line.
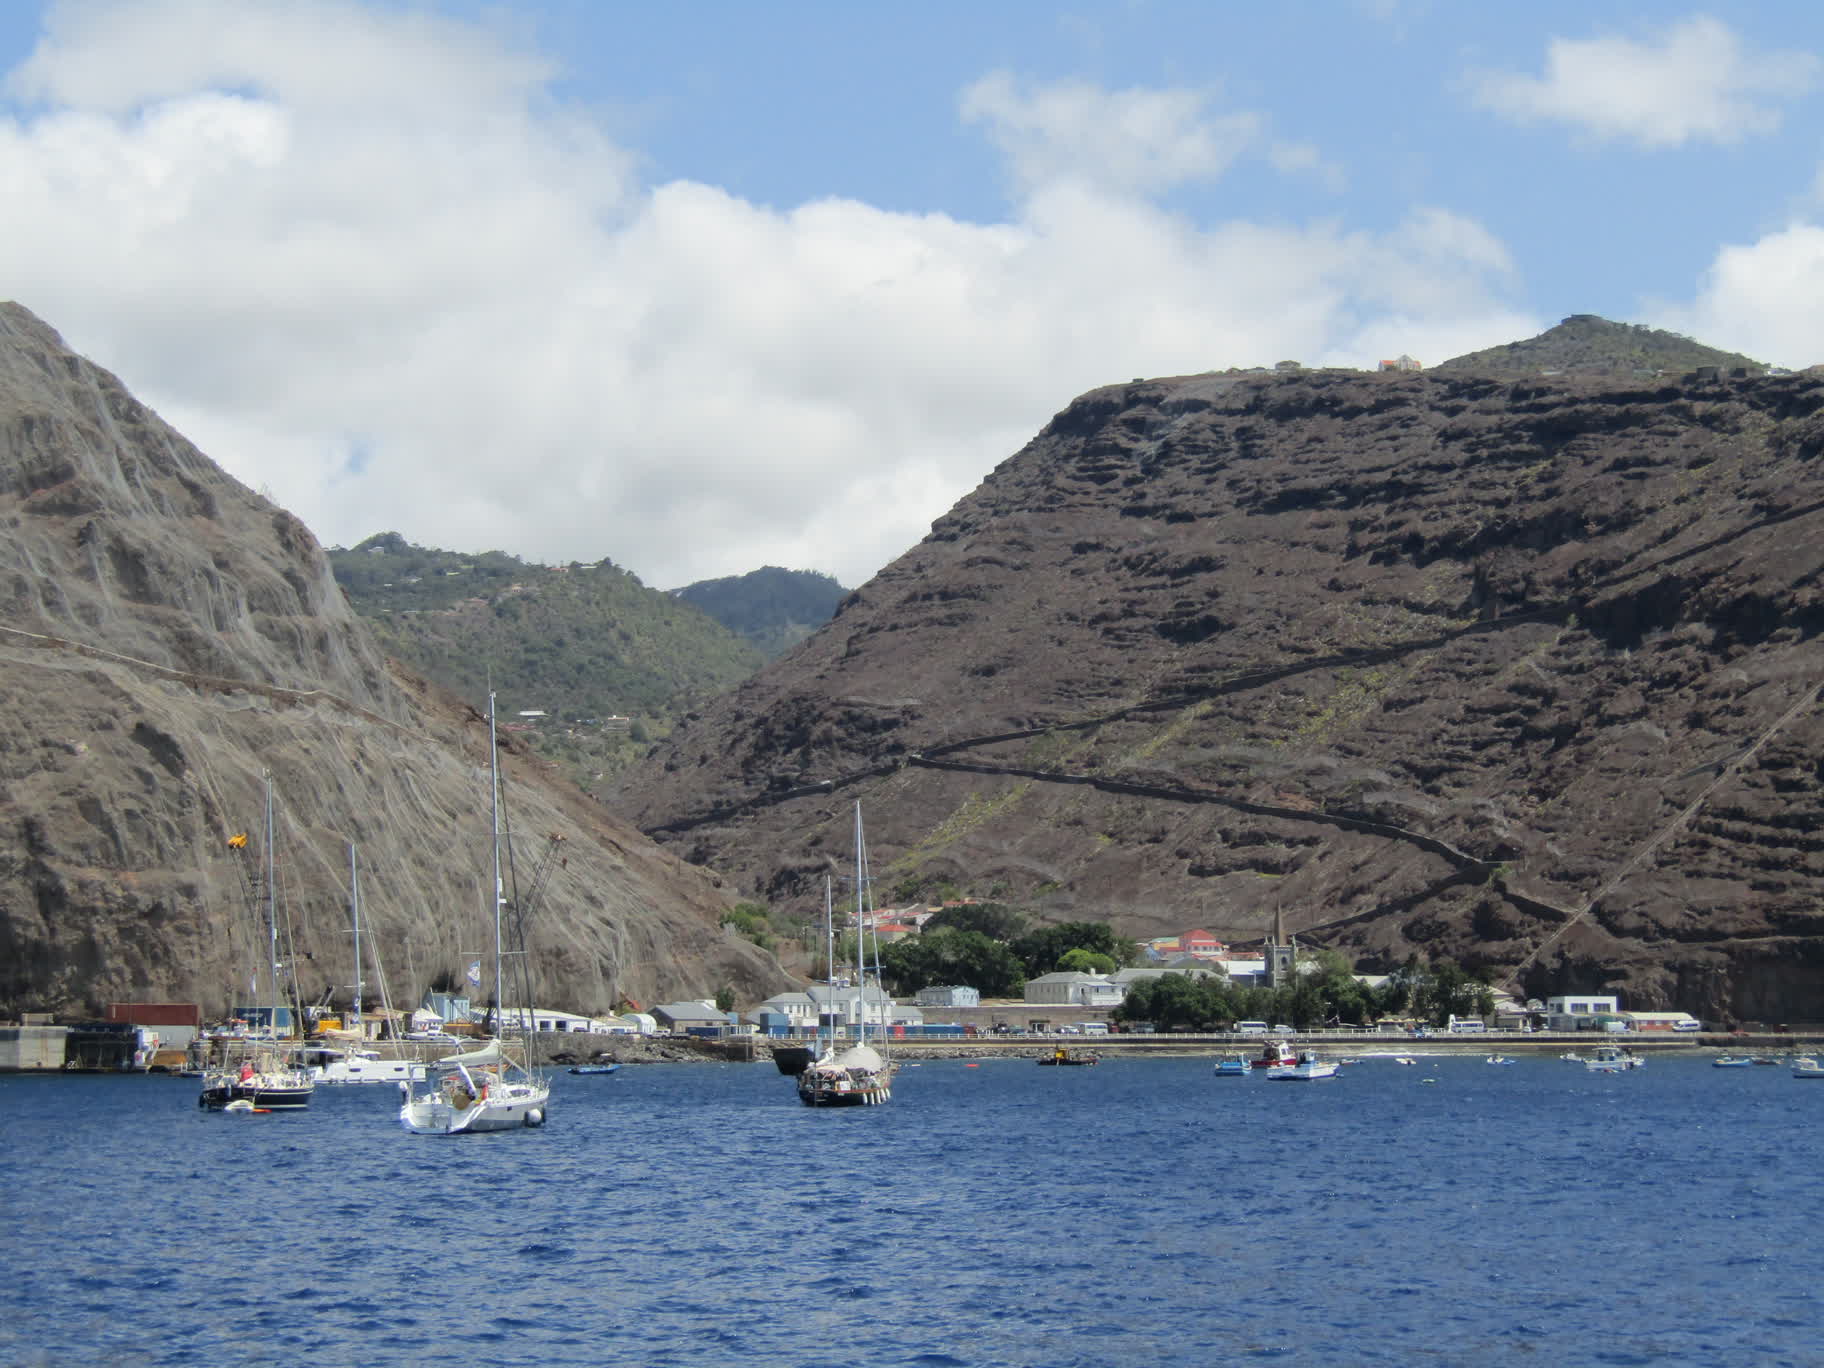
{"points": [[1324, 993], [986, 946]]}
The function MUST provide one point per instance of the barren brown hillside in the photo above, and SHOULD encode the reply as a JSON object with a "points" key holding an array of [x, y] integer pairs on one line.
{"points": [[166, 635], [1522, 671]]}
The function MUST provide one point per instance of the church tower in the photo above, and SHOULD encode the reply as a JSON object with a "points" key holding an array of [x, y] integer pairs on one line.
{"points": [[1282, 953]]}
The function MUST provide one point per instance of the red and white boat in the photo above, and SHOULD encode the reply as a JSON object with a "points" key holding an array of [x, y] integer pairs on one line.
{"points": [[1276, 1054]]}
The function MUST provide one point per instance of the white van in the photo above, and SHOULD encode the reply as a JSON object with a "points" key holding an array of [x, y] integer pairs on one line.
{"points": [[1093, 1027], [1251, 1027]]}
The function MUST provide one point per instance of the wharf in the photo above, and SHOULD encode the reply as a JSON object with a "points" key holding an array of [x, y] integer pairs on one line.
{"points": [[1332, 1043]]}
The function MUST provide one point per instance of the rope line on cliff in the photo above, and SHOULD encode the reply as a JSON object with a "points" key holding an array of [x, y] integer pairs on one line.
{"points": [[217, 683]]}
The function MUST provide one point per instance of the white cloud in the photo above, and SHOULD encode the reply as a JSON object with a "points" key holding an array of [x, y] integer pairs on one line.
{"points": [[1695, 82], [364, 261], [1133, 140], [1760, 299]]}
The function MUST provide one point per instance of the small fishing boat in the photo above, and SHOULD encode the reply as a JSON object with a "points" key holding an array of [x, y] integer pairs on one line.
{"points": [[1731, 1062], [1498, 1059], [1306, 1068], [594, 1068], [1276, 1054], [1612, 1059], [1065, 1055], [1235, 1066], [1807, 1067]]}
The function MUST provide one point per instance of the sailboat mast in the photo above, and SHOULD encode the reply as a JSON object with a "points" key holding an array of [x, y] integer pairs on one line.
{"points": [[354, 911], [500, 997], [826, 1025], [272, 914], [861, 973]]}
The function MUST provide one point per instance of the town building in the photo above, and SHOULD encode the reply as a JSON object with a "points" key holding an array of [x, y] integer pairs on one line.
{"points": [[1579, 1011], [1070, 988], [953, 996]]}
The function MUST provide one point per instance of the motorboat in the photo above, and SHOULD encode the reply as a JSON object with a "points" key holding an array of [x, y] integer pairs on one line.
{"points": [[1307, 1067], [1731, 1062], [1498, 1059], [1235, 1066], [1276, 1054], [1612, 1059], [334, 1064], [1064, 1055], [1806, 1067], [594, 1068]]}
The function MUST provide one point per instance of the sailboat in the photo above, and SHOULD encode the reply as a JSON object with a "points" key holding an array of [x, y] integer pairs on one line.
{"points": [[260, 1074], [342, 1056], [492, 1087], [862, 1074]]}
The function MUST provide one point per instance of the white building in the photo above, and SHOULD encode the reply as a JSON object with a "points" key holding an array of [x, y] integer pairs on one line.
{"points": [[1068, 988], [1578, 1011], [954, 996]]}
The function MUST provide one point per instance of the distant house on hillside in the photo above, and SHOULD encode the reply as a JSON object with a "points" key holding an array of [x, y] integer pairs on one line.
{"points": [[1403, 363], [1201, 945]]}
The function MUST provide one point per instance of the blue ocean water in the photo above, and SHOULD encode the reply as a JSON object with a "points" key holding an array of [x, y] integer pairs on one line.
{"points": [[1142, 1212]]}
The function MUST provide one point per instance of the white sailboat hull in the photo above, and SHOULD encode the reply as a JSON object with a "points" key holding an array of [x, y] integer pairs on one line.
{"points": [[508, 1106], [370, 1071]]}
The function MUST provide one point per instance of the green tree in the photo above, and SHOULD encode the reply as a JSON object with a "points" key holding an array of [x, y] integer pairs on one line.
{"points": [[1081, 961], [943, 957], [991, 919], [1042, 950]]}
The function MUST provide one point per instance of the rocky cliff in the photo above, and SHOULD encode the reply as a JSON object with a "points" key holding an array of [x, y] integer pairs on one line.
{"points": [[1519, 671], [166, 637]]}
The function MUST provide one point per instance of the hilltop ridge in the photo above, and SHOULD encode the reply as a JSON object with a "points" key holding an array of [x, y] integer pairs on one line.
{"points": [[1585, 344]]}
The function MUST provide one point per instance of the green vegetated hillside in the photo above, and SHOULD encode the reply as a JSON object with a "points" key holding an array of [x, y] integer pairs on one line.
{"points": [[610, 662], [774, 609], [1587, 345]]}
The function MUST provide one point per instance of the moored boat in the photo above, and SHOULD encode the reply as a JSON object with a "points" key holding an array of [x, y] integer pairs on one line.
{"points": [[1731, 1062], [859, 1075], [492, 1087], [1235, 1066], [1276, 1054], [267, 1077], [1612, 1059], [264, 1073], [1063, 1054], [1807, 1067], [1306, 1068]]}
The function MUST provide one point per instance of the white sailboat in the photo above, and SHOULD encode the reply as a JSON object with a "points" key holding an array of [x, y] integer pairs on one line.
{"points": [[342, 1056], [492, 1087], [860, 1075]]}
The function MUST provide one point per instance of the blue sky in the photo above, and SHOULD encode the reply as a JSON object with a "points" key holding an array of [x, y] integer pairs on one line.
{"points": [[705, 287]]}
